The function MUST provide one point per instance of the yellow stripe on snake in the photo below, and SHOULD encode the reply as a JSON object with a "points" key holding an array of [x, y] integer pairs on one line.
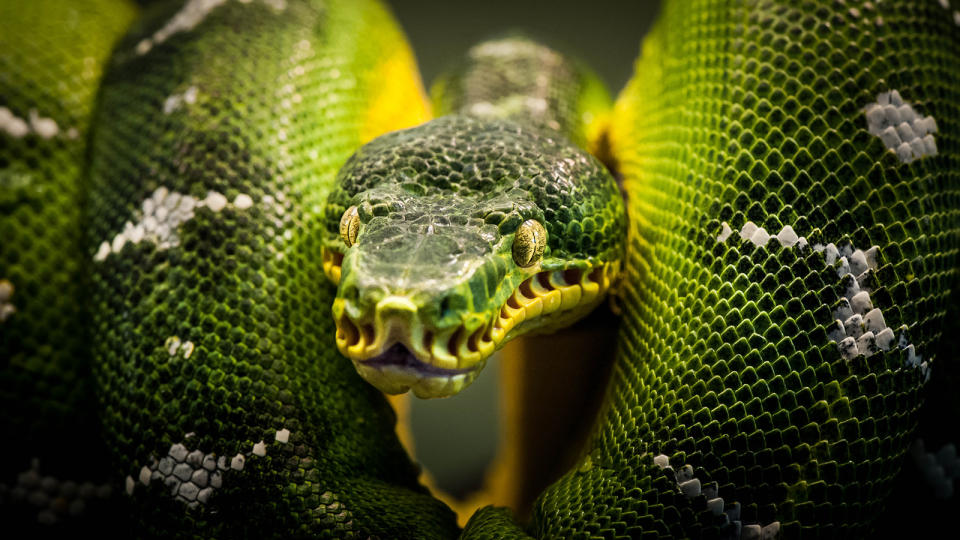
{"points": [[182, 183]]}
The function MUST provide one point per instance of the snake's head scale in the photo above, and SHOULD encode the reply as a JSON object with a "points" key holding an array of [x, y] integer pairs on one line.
{"points": [[450, 239]]}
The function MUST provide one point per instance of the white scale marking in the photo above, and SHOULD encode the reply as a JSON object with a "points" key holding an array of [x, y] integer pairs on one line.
{"points": [[161, 214], [174, 346], [759, 236], [690, 486], [859, 327], [189, 17], [18, 127], [176, 101], [903, 131], [193, 475], [7, 309]]}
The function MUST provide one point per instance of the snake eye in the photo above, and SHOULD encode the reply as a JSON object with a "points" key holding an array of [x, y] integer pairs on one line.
{"points": [[350, 226], [528, 243]]}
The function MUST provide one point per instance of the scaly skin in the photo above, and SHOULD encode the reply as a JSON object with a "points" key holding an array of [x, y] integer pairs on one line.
{"points": [[431, 231], [727, 361], [464, 211], [214, 345], [214, 333], [50, 69]]}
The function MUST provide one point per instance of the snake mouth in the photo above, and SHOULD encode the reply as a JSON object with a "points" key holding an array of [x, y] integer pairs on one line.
{"points": [[393, 348], [398, 370], [398, 356]]}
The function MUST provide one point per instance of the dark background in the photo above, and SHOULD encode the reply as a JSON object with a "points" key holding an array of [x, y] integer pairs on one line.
{"points": [[456, 438], [604, 33]]}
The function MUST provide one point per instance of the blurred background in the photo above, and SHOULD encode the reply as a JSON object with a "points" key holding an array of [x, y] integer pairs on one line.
{"points": [[457, 438], [604, 33]]}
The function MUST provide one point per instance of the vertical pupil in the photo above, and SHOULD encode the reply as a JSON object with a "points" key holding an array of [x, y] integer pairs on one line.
{"points": [[527, 244], [350, 226]]}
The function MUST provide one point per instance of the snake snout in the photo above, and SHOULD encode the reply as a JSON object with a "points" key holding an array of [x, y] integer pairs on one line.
{"points": [[395, 350], [396, 321], [396, 308]]}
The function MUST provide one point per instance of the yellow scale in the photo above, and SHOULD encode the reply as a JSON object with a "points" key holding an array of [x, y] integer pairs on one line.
{"points": [[477, 338]]}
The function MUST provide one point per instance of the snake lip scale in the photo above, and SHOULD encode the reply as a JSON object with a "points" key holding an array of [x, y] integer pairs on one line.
{"points": [[395, 342]]}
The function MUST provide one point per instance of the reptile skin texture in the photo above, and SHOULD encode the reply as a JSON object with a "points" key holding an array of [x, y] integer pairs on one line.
{"points": [[225, 410], [737, 407], [55, 467], [785, 364], [214, 335], [581, 215]]}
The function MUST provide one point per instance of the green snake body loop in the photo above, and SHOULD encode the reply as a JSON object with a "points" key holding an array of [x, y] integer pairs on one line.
{"points": [[55, 465], [732, 380], [788, 280]]}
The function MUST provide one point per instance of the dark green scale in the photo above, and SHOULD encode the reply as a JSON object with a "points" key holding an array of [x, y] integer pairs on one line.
{"points": [[476, 180], [54, 473], [757, 113], [214, 333], [439, 205]]}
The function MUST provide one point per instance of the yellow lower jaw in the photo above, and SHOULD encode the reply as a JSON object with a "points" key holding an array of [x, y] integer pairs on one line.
{"points": [[397, 381], [562, 295], [544, 301]]}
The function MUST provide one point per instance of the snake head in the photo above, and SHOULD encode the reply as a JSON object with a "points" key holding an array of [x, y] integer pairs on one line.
{"points": [[452, 238]]}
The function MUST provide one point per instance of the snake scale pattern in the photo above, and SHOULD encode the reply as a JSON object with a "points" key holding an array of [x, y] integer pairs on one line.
{"points": [[787, 279]]}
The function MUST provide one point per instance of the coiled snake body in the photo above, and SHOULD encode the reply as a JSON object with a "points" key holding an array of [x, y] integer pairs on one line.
{"points": [[171, 216]]}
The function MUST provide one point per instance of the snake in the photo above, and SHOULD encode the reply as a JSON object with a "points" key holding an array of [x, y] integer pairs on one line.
{"points": [[227, 227]]}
